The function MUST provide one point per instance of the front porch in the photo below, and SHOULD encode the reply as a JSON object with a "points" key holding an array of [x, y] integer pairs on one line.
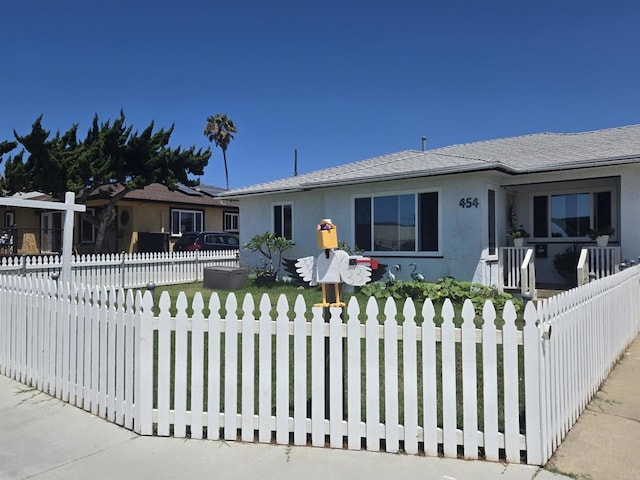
{"points": [[517, 269]]}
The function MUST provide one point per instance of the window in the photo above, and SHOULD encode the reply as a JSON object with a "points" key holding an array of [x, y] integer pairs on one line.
{"points": [[283, 220], [87, 229], [491, 219], [231, 221], [571, 215], [398, 223], [186, 221], [9, 219]]}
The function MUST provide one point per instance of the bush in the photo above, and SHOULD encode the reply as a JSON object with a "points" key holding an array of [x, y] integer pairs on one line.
{"points": [[456, 291], [566, 264]]}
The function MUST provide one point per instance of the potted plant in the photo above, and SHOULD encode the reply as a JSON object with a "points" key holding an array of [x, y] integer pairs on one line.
{"points": [[601, 235], [518, 235]]}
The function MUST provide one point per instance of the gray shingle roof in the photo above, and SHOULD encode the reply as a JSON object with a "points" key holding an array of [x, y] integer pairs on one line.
{"points": [[523, 154]]}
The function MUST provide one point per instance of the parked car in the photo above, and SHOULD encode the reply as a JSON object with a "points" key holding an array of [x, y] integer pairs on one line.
{"points": [[192, 241]]}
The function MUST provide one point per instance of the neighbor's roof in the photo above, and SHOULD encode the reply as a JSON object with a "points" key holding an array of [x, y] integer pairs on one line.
{"points": [[156, 192], [517, 155]]}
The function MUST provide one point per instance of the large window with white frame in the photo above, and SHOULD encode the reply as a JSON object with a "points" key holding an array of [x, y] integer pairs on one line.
{"points": [[572, 215], [407, 222], [283, 220], [230, 221], [186, 221]]}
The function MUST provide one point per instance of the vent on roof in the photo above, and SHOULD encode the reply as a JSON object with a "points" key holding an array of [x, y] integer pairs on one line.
{"points": [[424, 143]]}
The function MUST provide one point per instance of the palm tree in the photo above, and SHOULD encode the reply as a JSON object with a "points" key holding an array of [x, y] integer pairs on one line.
{"points": [[220, 129]]}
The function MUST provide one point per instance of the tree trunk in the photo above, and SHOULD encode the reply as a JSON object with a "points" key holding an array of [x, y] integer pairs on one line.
{"points": [[226, 171], [105, 216]]}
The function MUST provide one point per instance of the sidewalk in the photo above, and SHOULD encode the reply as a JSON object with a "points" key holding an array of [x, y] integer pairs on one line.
{"points": [[605, 441], [43, 438]]}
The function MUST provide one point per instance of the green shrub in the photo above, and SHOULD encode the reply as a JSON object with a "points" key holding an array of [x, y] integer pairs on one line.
{"points": [[455, 290]]}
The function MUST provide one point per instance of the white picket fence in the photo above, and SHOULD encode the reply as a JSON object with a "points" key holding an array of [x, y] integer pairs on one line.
{"points": [[286, 374], [122, 269]]}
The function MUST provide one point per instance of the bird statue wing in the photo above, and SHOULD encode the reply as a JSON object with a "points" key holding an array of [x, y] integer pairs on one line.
{"points": [[289, 266], [353, 272], [305, 267]]}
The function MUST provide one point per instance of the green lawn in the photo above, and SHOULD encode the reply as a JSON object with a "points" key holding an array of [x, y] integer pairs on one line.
{"points": [[456, 291]]}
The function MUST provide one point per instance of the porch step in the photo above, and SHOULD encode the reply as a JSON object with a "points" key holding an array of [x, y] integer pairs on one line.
{"points": [[542, 293], [546, 293]]}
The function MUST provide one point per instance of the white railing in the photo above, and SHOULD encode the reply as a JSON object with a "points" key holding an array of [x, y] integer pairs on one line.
{"points": [[510, 268], [528, 275], [583, 267], [344, 381], [604, 261], [122, 269], [598, 262]]}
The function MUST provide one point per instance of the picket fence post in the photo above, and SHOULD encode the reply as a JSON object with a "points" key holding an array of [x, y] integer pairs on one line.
{"points": [[143, 344], [533, 384]]}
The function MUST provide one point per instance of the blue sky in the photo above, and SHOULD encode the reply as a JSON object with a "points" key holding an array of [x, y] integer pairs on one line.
{"points": [[338, 81]]}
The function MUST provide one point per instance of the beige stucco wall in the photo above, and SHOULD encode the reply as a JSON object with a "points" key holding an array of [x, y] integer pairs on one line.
{"points": [[27, 221], [156, 217]]}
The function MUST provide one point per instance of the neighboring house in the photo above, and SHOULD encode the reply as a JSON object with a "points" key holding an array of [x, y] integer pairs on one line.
{"points": [[148, 219], [30, 231], [448, 209]]}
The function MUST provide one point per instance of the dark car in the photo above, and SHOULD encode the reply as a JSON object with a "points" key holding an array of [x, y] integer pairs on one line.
{"points": [[192, 241]]}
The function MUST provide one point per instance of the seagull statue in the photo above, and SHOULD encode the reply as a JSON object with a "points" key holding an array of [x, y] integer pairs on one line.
{"points": [[333, 267]]}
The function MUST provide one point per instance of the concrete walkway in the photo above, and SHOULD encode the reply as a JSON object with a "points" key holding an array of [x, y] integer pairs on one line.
{"points": [[43, 438], [605, 441]]}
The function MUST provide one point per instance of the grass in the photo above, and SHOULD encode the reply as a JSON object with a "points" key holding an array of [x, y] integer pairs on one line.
{"points": [[310, 295]]}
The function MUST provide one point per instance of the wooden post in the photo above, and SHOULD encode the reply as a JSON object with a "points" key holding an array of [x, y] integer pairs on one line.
{"points": [[67, 239]]}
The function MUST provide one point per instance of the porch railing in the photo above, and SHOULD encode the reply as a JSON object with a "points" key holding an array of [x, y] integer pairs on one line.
{"points": [[516, 269], [528, 275], [599, 262]]}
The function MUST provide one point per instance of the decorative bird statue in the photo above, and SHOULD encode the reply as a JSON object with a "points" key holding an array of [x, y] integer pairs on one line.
{"points": [[416, 275], [391, 273], [334, 266]]}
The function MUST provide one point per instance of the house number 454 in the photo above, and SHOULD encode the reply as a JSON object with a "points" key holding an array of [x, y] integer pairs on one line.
{"points": [[469, 202]]}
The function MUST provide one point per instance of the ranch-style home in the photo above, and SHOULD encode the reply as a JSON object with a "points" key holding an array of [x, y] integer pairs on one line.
{"points": [[448, 210], [149, 219]]}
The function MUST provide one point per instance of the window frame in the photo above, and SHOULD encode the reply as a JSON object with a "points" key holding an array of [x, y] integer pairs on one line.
{"points": [[182, 211], [591, 191], [417, 233], [233, 219], [282, 230]]}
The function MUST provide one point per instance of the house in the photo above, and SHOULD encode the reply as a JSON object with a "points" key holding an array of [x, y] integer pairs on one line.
{"points": [[148, 219], [448, 209]]}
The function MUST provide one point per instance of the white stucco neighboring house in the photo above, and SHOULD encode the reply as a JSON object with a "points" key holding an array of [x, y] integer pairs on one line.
{"points": [[448, 209]]}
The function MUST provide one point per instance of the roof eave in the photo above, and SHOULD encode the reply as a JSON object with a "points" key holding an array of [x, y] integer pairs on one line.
{"points": [[306, 186], [610, 162]]}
